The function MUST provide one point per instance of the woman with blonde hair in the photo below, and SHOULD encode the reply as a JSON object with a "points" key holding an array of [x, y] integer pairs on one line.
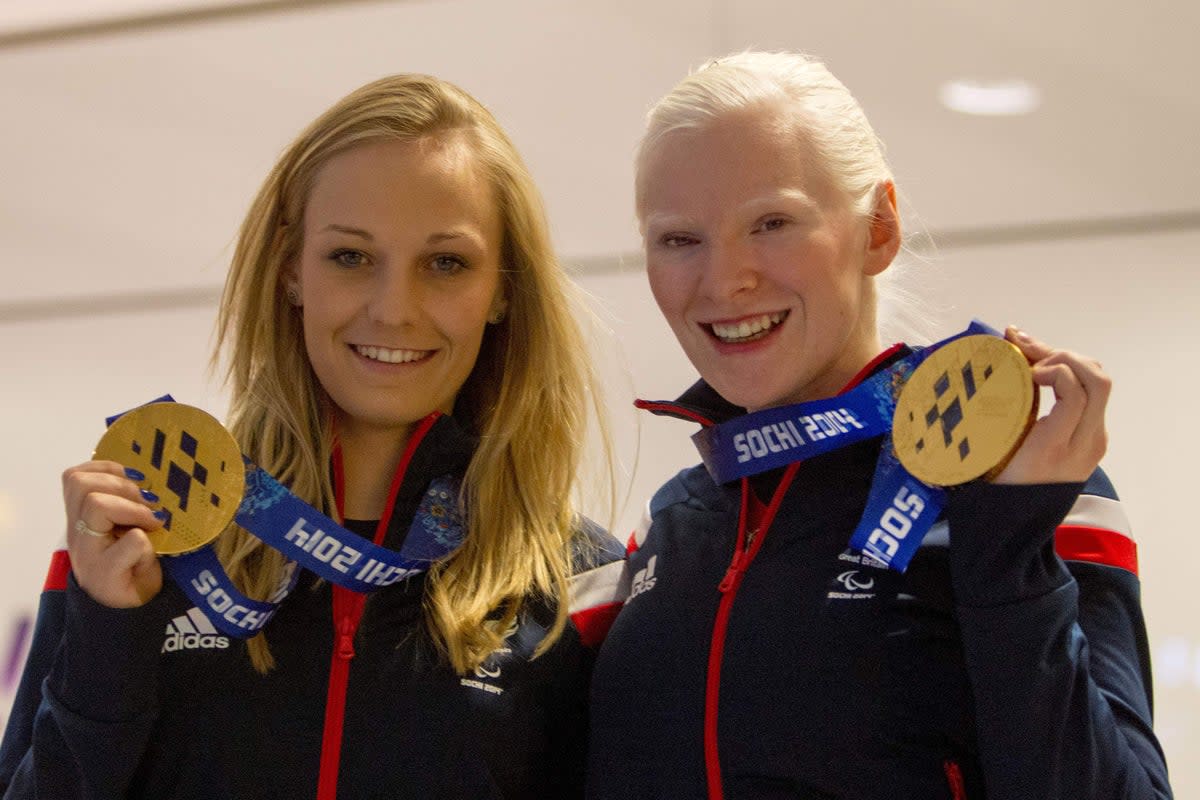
{"points": [[773, 644], [403, 357]]}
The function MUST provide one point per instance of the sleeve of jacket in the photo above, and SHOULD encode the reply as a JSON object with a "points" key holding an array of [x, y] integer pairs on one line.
{"points": [[595, 588], [47, 634], [87, 700], [1056, 650], [593, 606]]}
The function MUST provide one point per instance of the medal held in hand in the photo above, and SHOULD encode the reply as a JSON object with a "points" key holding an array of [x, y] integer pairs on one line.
{"points": [[190, 461], [204, 482], [964, 411]]}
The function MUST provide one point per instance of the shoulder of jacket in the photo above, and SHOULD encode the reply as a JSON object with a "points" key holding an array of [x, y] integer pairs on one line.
{"points": [[692, 485], [593, 546]]}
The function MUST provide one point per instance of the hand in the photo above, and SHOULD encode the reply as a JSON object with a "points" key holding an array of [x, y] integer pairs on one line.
{"points": [[117, 568], [1066, 445]]}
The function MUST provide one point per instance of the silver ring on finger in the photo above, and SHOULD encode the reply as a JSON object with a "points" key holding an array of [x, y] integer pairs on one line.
{"points": [[82, 527]]}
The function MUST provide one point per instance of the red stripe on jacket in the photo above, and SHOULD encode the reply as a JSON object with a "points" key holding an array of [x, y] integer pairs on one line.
{"points": [[593, 623], [1096, 545], [56, 576]]}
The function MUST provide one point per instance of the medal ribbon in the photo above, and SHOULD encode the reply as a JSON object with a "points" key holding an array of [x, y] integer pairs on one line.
{"points": [[313, 540], [900, 508]]}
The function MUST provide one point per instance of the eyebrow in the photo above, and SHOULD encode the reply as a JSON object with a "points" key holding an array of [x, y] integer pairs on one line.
{"points": [[434, 238], [659, 219], [669, 219], [347, 229], [445, 236]]}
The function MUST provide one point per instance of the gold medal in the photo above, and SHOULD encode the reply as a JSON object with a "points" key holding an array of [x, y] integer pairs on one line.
{"points": [[964, 411], [190, 461]]}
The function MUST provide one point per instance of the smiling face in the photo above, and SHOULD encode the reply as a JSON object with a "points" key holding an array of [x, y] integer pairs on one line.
{"points": [[398, 274], [757, 261]]}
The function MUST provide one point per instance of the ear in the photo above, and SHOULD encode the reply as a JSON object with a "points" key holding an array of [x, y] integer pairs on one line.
{"points": [[883, 233], [290, 284], [498, 309]]}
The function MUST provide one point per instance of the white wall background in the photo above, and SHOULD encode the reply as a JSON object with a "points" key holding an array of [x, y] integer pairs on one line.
{"points": [[134, 137]]}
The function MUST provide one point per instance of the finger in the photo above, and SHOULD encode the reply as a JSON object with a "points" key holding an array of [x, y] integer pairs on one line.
{"points": [[109, 513], [1070, 400], [132, 551], [1033, 349], [1089, 427], [107, 476], [1090, 433], [133, 557], [80, 485]]}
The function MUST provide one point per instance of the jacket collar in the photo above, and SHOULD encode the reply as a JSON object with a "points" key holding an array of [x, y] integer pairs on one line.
{"points": [[445, 448]]}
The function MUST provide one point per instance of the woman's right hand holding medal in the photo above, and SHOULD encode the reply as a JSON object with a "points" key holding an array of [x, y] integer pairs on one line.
{"points": [[108, 515]]}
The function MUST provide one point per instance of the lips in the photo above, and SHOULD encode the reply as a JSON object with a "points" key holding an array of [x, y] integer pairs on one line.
{"points": [[389, 356], [748, 329]]}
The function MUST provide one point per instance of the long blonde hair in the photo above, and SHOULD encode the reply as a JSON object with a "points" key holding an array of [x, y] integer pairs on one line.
{"points": [[527, 398]]}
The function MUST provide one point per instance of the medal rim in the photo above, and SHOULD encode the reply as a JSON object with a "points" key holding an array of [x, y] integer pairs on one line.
{"points": [[1018, 428], [232, 490]]}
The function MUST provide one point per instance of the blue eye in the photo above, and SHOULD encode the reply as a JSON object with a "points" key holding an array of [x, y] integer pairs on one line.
{"points": [[676, 240], [348, 258], [448, 264]]}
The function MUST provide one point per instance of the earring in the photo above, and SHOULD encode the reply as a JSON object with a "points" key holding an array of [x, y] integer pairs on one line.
{"points": [[293, 295], [496, 316]]}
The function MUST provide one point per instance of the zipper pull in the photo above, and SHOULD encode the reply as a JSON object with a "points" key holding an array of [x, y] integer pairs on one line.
{"points": [[733, 575], [345, 639]]}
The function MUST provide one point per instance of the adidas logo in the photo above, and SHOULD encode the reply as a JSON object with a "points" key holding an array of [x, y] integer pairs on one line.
{"points": [[643, 579], [193, 631]]}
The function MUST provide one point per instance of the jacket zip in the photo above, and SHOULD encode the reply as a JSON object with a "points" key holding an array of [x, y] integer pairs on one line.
{"points": [[958, 791], [347, 612], [743, 554]]}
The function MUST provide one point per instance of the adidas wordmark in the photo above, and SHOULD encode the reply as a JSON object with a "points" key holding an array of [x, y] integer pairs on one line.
{"points": [[193, 631]]}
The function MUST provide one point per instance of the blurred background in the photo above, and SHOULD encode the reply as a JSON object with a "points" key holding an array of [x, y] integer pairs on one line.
{"points": [[1046, 152]]}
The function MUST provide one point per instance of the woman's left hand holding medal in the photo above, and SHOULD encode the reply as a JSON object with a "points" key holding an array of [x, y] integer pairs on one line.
{"points": [[108, 515], [1066, 445]]}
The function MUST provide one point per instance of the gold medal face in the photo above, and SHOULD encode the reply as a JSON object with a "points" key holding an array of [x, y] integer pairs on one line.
{"points": [[190, 461], [964, 411]]}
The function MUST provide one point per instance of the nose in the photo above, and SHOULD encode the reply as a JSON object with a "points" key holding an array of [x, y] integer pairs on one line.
{"points": [[394, 297], [731, 269]]}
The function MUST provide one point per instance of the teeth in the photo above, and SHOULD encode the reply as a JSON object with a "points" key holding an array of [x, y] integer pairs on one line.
{"points": [[748, 328], [390, 356]]}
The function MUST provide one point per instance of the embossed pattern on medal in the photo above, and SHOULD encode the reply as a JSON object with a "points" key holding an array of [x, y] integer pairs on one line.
{"points": [[190, 461], [964, 411]]}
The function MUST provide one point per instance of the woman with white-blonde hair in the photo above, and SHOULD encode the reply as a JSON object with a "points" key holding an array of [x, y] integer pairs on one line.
{"points": [[403, 357], [788, 632]]}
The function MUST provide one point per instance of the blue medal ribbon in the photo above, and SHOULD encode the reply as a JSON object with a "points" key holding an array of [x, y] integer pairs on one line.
{"points": [[316, 542], [900, 508], [776, 437], [202, 578], [313, 540], [900, 511]]}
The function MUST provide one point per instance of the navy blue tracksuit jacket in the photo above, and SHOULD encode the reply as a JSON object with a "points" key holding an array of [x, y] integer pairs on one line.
{"points": [[994, 667]]}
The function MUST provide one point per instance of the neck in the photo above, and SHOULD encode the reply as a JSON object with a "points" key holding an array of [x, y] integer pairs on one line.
{"points": [[839, 374], [370, 457], [863, 357], [863, 346]]}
